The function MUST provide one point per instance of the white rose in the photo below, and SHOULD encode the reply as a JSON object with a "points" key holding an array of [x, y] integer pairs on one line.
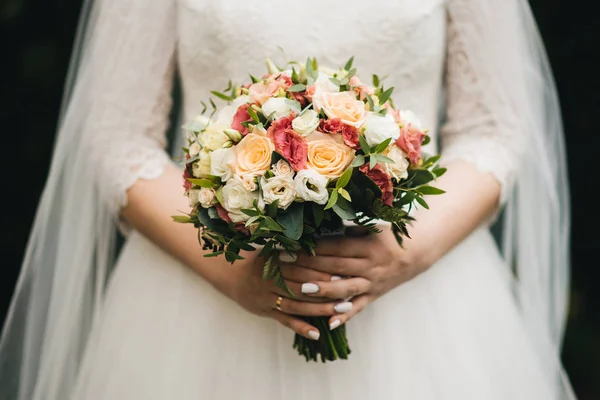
{"points": [[279, 188], [237, 198], [280, 107], [206, 196], [409, 117], [283, 168], [221, 163], [225, 114], [214, 138], [249, 182], [201, 167], [322, 85], [306, 123], [194, 149], [378, 129], [399, 169], [311, 186]]}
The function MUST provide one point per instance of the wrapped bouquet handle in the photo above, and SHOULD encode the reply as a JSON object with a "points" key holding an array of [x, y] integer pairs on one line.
{"points": [[296, 155]]}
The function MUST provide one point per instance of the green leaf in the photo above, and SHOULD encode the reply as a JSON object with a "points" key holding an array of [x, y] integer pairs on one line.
{"points": [[299, 87], [344, 210], [385, 95], [430, 190], [382, 146], [215, 254], [217, 225], [182, 219], [252, 213], [206, 183], [232, 257], [219, 195], [418, 177], [318, 212], [254, 79], [375, 80], [363, 182], [349, 64], [272, 209], [351, 73], [364, 145], [253, 115], [439, 171], [292, 221], [294, 75], [335, 81], [246, 247], [272, 225], [407, 198], [359, 160], [332, 200], [433, 160], [344, 179], [275, 156], [221, 96], [422, 202], [213, 214], [383, 159], [372, 161], [370, 102], [344, 193], [426, 140]]}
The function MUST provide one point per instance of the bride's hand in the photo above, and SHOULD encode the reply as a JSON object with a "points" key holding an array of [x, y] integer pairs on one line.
{"points": [[247, 287], [375, 264]]}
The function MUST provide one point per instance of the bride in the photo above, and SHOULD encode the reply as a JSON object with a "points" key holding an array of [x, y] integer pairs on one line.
{"points": [[441, 318]]}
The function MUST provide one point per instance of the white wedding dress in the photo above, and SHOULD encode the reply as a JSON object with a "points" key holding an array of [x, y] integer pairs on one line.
{"points": [[454, 332]]}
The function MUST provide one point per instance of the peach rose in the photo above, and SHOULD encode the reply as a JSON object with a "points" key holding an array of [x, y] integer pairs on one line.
{"points": [[253, 155], [360, 88], [327, 156], [260, 92], [343, 105]]}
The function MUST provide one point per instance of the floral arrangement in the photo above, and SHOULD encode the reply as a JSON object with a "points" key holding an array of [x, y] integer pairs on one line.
{"points": [[291, 156]]}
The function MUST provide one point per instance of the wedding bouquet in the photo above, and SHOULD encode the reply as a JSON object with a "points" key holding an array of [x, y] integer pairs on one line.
{"points": [[292, 156]]}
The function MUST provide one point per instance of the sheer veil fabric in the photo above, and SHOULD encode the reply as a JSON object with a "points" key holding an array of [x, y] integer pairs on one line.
{"points": [[71, 246]]}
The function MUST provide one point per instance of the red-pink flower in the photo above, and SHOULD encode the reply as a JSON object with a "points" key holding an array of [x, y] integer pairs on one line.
{"points": [[187, 185], [222, 213], [241, 227], [383, 180], [288, 143], [300, 97], [241, 115], [410, 142], [336, 126]]}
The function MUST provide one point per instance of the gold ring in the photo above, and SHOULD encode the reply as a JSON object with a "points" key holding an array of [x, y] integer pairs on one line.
{"points": [[278, 303]]}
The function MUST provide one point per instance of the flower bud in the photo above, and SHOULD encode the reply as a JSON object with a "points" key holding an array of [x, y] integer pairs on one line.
{"points": [[227, 144], [232, 134], [271, 67]]}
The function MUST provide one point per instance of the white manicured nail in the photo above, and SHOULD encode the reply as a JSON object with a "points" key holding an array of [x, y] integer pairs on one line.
{"points": [[314, 335], [336, 278], [287, 257], [342, 308], [310, 288], [334, 324]]}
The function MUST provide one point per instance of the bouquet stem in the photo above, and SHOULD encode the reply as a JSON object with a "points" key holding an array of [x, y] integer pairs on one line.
{"points": [[332, 344]]}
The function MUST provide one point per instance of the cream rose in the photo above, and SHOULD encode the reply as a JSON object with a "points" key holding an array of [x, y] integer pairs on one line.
{"points": [[194, 149], [214, 138], [306, 123], [201, 167], [327, 156], [206, 197], [278, 107], [192, 195], [253, 155], [399, 168], [249, 182], [237, 198], [279, 188], [379, 128], [222, 162], [343, 105], [282, 168], [311, 186]]}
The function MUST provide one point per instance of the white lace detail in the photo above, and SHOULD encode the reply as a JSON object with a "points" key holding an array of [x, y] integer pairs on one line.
{"points": [[479, 126]]}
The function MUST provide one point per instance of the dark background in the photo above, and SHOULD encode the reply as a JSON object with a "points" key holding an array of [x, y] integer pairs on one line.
{"points": [[36, 38]]}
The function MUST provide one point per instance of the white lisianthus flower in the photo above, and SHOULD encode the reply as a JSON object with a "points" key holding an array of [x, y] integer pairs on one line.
{"points": [[279, 188], [225, 114], [237, 198], [206, 197], [249, 181], [409, 117], [214, 138], [399, 168], [283, 168], [379, 128], [306, 123], [201, 167], [280, 107], [311, 186], [222, 162], [194, 149]]}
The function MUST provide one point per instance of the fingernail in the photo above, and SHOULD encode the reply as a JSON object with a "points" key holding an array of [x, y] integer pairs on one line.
{"points": [[334, 324], [310, 288], [287, 257], [335, 278], [314, 335], [343, 307]]}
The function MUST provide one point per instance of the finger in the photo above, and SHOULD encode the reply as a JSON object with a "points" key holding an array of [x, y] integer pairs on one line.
{"points": [[295, 307], [356, 231], [296, 273], [341, 289], [356, 247], [299, 326], [339, 266], [358, 303], [296, 289]]}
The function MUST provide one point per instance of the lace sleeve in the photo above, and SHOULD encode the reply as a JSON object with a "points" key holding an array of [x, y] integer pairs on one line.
{"points": [[131, 62], [482, 126]]}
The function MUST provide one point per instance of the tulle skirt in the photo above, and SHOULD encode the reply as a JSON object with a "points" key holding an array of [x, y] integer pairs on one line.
{"points": [[453, 332]]}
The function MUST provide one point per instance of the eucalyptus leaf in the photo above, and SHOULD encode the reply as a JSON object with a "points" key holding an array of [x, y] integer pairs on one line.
{"points": [[332, 200], [422, 202], [364, 145], [386, 95], [205, 183], [382, 146], [253, 115], [376, 80], [344, 179], [292, 221], [359, 160], [430, 190], [221, 96], [426, 140], [214, 254], [349, 64], [344, 193], [318, 212], [182, 219], [439, 171], [299, 87]]}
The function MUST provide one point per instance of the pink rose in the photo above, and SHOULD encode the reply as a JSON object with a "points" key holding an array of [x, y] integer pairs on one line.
{"points": [[410, 141], [383, 180], [361, 89], [348, 132], [288, 143], [241, 115]]}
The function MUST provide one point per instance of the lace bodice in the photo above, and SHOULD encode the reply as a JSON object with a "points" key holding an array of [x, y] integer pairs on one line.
{"points": [[416, 44]]}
